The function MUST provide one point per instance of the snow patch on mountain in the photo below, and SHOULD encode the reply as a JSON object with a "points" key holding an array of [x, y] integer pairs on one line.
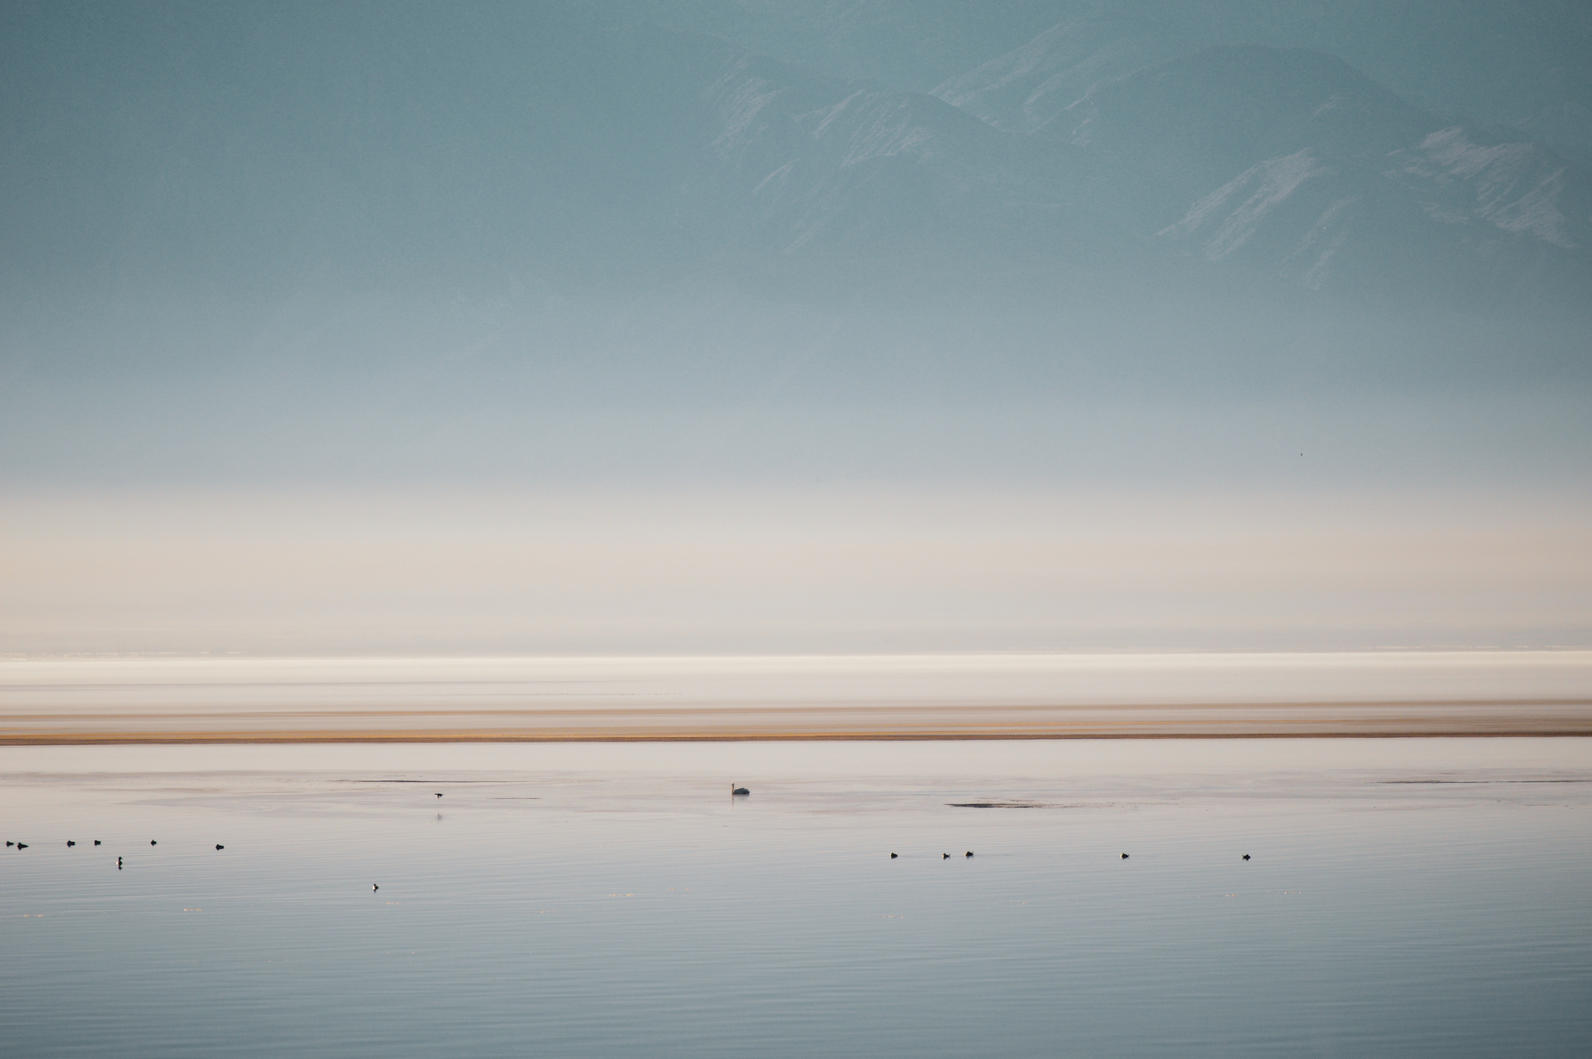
{"points": [[739, 109], [1028, 88], [1515, 187], [879, 125], [1230, 216], [1314, 257]]}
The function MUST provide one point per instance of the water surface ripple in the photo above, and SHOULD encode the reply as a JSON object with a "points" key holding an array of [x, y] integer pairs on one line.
{"points": [[606, 899]]}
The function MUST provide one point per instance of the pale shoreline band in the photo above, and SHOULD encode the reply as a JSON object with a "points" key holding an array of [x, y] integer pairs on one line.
{"points": [[1559, 717], [69, 701]]}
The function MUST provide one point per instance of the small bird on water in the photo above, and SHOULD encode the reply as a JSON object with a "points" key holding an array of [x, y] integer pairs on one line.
{"points": [[1124, 856], [969, 853], [945, 856], [118, 864], [9, 843], [738, 791], [22, 845], [439, 794], [96, 842], [220, 846], [374, 887], [892, 856], [151, 842], [70, 843], [1246, 856]]}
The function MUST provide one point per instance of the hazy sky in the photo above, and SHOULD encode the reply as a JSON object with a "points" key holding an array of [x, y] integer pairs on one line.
{"points": [[352, 327]]}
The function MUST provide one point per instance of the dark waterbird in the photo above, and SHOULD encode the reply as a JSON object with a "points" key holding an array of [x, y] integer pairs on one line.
{"points": [[1246, 856], [439, 794], [1124, 856], [118, 864], [96, 842], [738, 791], [70, 843], [969, 853], [220, 846], [893, 856], [945, 856], [151, 842], [9, 843], [22, 845], [374, 887]]}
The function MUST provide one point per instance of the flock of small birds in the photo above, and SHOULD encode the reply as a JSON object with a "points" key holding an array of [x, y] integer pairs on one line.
{"points": [[967, 855], [12, 843], [734, 790]]}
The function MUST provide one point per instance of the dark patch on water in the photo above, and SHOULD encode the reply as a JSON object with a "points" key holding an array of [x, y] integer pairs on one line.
{"points": [[1006, 804]]}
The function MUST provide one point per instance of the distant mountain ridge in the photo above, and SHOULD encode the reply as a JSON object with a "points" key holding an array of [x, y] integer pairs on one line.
{"points": [[1028, 88], [1294, 164], [616, 150], [1286, 163]]}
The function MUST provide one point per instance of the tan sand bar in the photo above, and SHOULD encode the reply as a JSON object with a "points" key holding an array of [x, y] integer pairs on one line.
{"points": [[228, 700]]}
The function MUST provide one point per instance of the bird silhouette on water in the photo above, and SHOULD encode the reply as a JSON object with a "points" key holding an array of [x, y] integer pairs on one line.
{"points": [[96, 841], [22, 845], [118, 864], [1246, 856], [1124, 856], [151, 842], [736, 792], [9, 843], [945, 856], [893, 856], [70, 843], [220, 846], [374, 887], [968, 854], [439, 794]]}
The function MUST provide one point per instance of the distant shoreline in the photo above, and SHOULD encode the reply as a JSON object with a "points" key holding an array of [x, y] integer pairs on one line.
{"points": [[598, 736], [873, 698]]}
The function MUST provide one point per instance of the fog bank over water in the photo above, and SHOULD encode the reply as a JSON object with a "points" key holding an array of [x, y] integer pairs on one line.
{"points": [[782, 570]]}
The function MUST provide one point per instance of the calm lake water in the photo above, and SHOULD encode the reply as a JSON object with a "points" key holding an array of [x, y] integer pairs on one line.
{"points": [[1405, 896]]}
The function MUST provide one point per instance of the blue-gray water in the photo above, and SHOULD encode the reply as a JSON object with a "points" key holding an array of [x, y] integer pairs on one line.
{"points": [[1404, 897]]}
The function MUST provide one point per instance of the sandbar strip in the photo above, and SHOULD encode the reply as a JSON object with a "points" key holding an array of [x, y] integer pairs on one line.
{"points": [[1304, 730]]}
